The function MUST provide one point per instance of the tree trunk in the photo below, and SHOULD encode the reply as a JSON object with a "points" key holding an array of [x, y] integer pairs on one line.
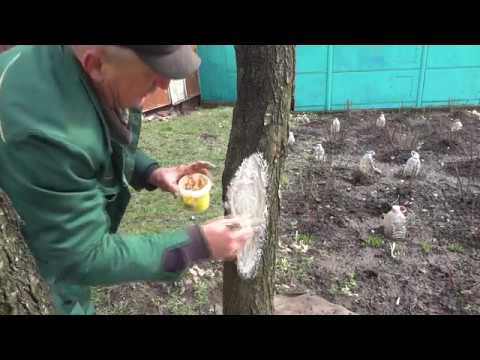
{"points": [[265, 76], [22, 290]]}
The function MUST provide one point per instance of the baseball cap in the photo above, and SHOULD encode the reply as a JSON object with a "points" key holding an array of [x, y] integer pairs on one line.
{"points": [[170, 61]]}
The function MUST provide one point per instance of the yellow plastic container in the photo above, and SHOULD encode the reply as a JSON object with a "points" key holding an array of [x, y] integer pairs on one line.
{"points": [[197, 200]]}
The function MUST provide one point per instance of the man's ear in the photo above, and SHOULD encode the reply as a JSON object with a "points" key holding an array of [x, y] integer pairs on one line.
{"points": [[93, 65]]}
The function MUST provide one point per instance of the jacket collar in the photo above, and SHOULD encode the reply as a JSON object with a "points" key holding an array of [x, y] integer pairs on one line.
{"points": [[72, 65]]}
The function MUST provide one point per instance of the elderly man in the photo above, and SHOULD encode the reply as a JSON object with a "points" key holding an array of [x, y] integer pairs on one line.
{"points": [[69, 127]]}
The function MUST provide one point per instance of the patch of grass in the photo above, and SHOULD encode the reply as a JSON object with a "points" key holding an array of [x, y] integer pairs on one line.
{"points": [[123, 299], [283, 181], [455, 248], [293, 271], [374, 241], [282, 265], [333, 289], [202, 291], [174, 142], [345, 287], [426, 247], [349, 285], [100, 296], [190, 299], [305, 239], [178, 305], [302, 272]]}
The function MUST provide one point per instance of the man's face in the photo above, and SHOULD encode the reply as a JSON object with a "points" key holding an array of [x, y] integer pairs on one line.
{"points": [[127, 80]]}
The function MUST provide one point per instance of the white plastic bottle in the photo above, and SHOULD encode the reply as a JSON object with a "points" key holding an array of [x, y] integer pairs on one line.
{"points": [[457, 126], [367, 164], [381, 121], [413, 165], [394, 223], [335, 127], [319, 152]]}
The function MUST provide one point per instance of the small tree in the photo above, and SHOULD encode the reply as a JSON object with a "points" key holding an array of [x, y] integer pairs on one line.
{"points": [[265, 77]]}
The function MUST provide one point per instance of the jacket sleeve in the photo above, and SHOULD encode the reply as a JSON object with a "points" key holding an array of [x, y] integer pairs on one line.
{"points": [[62, 205], [144, 166]]}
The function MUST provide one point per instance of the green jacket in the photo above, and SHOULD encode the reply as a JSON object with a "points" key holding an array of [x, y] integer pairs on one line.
{"points": [[68, 180]]}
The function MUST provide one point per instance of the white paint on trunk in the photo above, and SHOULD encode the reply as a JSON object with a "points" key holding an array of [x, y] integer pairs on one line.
{"points": [[247, 198], [267, 119]]}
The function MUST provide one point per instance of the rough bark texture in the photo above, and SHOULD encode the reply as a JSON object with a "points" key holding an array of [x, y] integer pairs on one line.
{"points": [[265, 76], [22, 290]]}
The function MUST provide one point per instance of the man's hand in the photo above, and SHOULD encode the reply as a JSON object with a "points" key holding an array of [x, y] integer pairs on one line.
{"points": [[225, 238], [167, 178]]}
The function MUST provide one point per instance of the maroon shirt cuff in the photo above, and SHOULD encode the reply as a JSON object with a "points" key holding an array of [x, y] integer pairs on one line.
{"points": [[179, 259]]}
